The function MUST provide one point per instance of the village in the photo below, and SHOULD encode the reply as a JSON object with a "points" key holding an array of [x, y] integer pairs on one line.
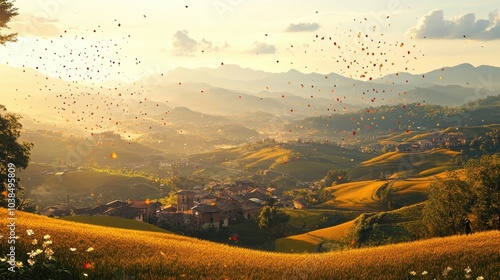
{"points": [[195, 209]]}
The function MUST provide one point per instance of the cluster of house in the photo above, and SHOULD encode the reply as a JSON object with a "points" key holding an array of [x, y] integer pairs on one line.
{"points": [[436, 140], [194, 208], [225, 206]]}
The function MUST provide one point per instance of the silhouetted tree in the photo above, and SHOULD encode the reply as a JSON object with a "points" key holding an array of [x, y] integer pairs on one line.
{"points": [[449, 200], [13, 154], [7, 11], [273, 220], [484, 177]]}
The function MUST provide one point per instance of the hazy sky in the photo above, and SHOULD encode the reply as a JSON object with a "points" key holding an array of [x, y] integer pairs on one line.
{"points": [[111, 39]]}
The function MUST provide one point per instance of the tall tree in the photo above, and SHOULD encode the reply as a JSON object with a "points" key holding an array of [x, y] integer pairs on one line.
{"points": [[338, 176], [7, 11], [273, 220], [450, 199], [484, 177], [14, 155]]}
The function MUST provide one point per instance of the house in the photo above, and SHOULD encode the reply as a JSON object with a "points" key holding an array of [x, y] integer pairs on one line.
{"points": [[258, 194], [147, 210], [181, 220], [206, 215], [57, 211], [172, 208], [230, 211], [251, 209], [185, 200]]}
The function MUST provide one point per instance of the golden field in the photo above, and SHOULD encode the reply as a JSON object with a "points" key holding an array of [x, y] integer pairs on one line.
{"points": [[130, 254]]}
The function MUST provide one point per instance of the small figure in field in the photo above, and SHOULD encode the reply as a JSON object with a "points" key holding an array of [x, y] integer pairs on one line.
{"points": [[468, 229]]}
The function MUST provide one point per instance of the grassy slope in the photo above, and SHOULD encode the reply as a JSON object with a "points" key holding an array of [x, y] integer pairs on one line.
{"points": [[114, 222], [308, 242], [139, 255]]}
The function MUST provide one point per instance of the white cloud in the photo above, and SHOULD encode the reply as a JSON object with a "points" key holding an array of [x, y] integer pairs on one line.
{"points": [[435, 26], [263, 48], [183, 44], [302, 27]]}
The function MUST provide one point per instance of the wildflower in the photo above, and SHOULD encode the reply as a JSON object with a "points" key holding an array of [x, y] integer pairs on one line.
{"points": [[38, 251], [30, 232], [33, 254], [85, 274], [468, 270], [72, 249], [46, 237], [3, 259], [31, 262], [47, 243], [19, 264], [413, 273], [34, 242], [49, 253], [424, 272], [446, 271], [90, 249], [480, 278]]}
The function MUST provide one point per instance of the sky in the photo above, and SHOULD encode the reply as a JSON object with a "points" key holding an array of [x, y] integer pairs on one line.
{"points": [[124, 40]]}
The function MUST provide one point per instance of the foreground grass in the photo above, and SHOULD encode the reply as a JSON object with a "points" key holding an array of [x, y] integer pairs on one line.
{"points": [[129, 254]]}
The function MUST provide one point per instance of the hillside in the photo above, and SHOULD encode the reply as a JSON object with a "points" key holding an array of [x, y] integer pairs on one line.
{"points": [[119, 253]]}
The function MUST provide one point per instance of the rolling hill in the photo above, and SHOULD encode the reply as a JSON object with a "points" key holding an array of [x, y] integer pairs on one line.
{"points": [[107, 253]]}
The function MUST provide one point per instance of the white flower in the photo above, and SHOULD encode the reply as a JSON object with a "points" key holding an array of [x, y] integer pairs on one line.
{"points": [[30, 232], [85, 274], [468, 270], [480, 278], [19, 264], [34, 242], [413, 272], [90, 249], [33, 254], [72, 249], [424, 272], [31, 262], [46, 237], [3, 259]]}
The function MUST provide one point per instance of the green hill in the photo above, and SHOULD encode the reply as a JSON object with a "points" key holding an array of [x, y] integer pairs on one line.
{"points": [[114, 222]]}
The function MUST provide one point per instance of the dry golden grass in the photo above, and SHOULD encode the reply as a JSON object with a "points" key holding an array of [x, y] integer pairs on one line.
{"points": [[310, 240], [129, 254], [355, 195]]}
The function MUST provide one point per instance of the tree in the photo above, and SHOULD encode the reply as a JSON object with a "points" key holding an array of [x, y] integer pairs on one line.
{"points": [[484, 177], [13, 155], [336, 175], [273, 220], [449, 200], [7, 11]]}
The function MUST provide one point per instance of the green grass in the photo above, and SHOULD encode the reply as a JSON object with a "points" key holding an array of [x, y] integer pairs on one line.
{"points": [[114, 222]]}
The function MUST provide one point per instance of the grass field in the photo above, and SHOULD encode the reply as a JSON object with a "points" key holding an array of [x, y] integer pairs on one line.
{"points": [[308, 242], [110, 253], [114, 222], [355, 195]]}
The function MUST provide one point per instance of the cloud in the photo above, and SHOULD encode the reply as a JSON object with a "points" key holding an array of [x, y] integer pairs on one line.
{"points": [[187, 46], [435, 26], [263, 48], [28, 25], [183, 44], [302, 27]]}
